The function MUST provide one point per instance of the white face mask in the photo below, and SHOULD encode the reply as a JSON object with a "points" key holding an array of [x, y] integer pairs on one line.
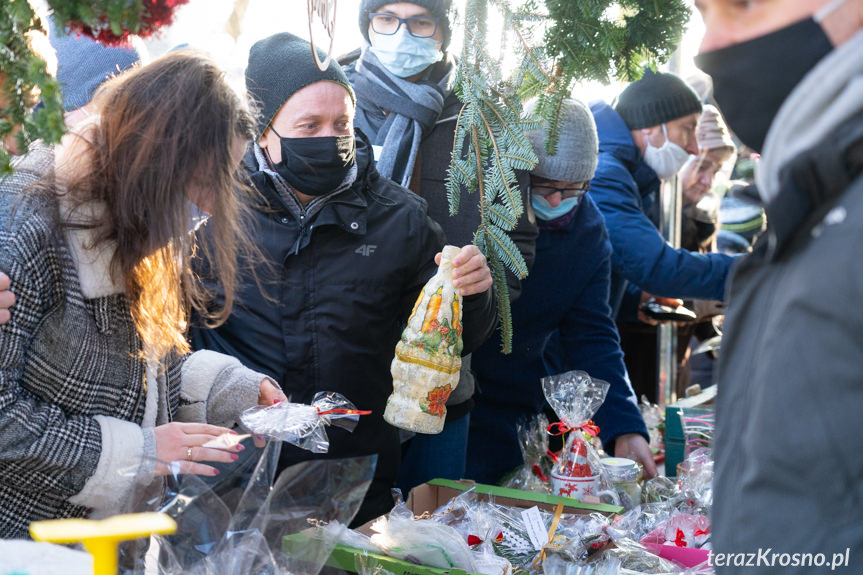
{"points": [[405, 55], [667, 159]]}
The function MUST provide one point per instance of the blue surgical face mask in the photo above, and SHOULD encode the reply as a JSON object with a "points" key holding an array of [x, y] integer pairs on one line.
{"points": [[405, 55], [547, 212]]}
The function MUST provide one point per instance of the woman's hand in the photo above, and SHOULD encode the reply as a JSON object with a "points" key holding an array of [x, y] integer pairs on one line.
{"points": [[7, 298], [184, 443], [270, 393]]}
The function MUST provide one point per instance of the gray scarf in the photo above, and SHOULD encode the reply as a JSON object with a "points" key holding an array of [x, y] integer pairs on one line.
{"points": [[395, 114], [828, 96]]}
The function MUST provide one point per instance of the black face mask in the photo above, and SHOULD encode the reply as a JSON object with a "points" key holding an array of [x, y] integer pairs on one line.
{"points": [[316, 166], [752, 79]]}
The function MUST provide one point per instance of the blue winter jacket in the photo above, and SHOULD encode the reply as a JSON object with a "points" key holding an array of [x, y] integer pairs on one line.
{"points": [[563, 312], [625, 188]]}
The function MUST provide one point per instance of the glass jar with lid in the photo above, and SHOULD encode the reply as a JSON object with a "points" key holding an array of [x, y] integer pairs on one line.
{"points": [[623, 474]]}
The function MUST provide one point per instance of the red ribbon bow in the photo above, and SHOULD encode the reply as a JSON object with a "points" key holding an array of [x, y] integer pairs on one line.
{"points": [[343, 411], [559, 428], [540, 474]]}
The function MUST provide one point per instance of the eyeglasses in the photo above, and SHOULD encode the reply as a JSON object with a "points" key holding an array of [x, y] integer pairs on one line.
{"points": [[565, 193], [389, 24]]}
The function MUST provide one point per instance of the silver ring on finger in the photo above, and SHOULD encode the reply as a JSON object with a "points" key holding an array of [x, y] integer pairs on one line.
{"points": [[189, 454]]}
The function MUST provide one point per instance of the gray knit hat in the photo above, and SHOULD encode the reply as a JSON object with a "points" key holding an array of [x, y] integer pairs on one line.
{"points": [[577, 148], [655, 99], [437, 8], [279, 67], [84, 64]]}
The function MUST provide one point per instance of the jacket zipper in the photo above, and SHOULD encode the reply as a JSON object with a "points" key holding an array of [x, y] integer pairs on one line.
{"points": [[302, 232]]}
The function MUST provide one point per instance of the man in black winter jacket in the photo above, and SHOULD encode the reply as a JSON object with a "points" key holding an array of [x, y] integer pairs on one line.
{"points": [[347, 253]]}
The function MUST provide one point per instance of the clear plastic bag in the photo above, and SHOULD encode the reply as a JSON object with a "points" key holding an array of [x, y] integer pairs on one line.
{"points": [[653, 420], [242, 528], [584, 536], [659, 489], [697, 424], [578, 473], [514, 542], [634, 557], [366, 567], [421, 541], [557, 564], [637, 523], [538, 460], [303, 425], [696, 480], [484, 531]]}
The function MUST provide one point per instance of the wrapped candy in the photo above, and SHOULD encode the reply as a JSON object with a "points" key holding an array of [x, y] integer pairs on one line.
{"points": [[303, 425], [578, 473], [426, 366]]}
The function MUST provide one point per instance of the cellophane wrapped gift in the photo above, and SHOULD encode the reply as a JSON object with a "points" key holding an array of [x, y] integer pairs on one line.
{"points": [[575, 397], [241, 529], [426, 366], [475, 521], [534, 474], [421, 541], [303, 425]]}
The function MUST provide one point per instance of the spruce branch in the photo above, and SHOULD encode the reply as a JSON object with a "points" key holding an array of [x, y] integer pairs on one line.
{"points": [[578, 40], [24, 81]]}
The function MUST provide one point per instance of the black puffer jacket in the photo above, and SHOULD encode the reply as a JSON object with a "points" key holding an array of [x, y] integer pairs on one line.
{"points": [[342, 285]]}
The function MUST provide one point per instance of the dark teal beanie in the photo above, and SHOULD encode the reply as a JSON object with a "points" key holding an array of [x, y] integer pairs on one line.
{"points": [[279, 67]]}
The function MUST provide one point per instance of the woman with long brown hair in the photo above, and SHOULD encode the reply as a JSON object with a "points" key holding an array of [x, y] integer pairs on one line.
{"points": [[95, 235]]}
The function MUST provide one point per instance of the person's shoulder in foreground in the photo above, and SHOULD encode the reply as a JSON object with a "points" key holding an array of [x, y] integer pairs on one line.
{"points": [[788, 76]]}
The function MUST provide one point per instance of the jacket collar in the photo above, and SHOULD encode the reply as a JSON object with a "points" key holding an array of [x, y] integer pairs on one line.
{"points": [[346, 210], [812, 182]]}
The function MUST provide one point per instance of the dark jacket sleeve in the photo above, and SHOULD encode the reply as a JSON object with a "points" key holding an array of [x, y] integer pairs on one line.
{"points": [[640, 253], [524, 236], [629, 306], [589, 342], [480, 319]]}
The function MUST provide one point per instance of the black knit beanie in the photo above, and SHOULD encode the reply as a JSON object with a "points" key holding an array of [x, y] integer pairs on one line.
{"points": [[437, 8], [279, 67], [655, 99]]}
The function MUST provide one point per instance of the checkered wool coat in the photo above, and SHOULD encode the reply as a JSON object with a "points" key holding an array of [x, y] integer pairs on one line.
{"points": [[77, 406]]}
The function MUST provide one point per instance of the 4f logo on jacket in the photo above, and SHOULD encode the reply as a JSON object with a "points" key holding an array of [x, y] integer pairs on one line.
{"points": [[366, 250]]}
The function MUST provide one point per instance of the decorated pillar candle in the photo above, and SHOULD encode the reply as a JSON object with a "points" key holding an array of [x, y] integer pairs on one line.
{"points": [[426, 366]]}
